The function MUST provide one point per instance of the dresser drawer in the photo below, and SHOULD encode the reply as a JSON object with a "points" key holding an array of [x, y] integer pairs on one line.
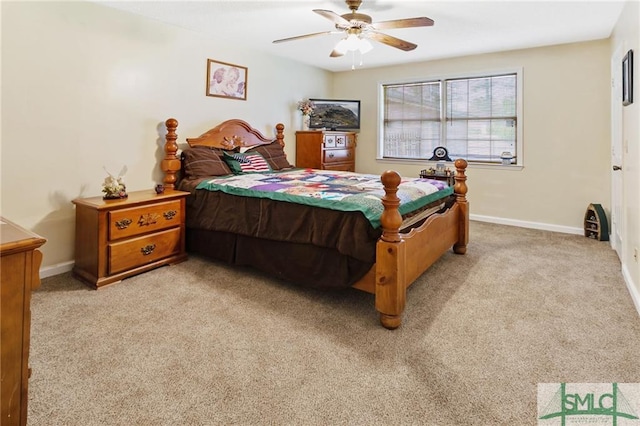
{"points": [[330, 141], [140, 220], [142, 250], [341, 141], [338, 155], [351, 140], [344, 167]]}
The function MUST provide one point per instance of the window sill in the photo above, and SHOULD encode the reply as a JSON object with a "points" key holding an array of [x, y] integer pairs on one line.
{"points": [[425, 164], [511, 167]]}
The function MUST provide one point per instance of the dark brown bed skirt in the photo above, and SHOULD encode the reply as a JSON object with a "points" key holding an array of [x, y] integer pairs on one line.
{"points": [[302, 264], [306, 245]]}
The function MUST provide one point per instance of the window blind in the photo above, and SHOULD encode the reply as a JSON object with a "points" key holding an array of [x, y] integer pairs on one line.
{"points": [[481, 117], [412, 119]]}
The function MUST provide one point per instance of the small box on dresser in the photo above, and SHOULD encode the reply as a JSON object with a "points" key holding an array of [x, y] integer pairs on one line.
{"points": [[326, 150], [116, 239]]}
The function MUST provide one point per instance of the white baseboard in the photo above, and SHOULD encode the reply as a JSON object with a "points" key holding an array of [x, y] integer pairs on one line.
{"points": [[60, 268], [633, 289], [525, 224]]}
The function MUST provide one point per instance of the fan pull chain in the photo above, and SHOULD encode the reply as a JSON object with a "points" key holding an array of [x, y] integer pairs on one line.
{"points": [[353, 59]]}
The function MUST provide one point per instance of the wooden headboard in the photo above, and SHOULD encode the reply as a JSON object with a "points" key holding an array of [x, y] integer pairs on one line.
{"points": [[229, 134]]}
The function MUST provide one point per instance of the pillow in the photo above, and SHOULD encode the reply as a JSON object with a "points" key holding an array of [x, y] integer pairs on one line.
{"points": [[203, 161], [274, 154], [248, 162]]}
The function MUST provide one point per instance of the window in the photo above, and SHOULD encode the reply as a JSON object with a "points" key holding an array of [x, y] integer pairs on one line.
{"points": [[476, 118]]}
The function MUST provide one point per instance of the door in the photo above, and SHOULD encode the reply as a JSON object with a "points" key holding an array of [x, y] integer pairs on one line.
{"points": [[616, 153]]}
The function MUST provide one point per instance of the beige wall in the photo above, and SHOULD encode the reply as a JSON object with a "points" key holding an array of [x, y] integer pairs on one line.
{"points": [[627, 36], [566, 132], [85, 86]]}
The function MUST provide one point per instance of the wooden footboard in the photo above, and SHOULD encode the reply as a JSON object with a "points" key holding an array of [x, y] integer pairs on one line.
{"points": [[401, 259]]}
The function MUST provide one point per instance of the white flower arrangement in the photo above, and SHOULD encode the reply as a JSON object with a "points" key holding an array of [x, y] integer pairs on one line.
{"points": [[114, 187], [306, 107]]}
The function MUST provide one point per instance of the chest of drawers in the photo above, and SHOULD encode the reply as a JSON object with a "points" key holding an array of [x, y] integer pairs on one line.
{"points": [[19, 274], [119, 238], [326, 150]]}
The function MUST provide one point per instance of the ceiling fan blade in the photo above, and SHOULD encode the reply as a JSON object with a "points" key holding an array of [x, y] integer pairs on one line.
{"points": [[403, 23], [302, 36], [333, 17], [335, 54], [391, 41]]}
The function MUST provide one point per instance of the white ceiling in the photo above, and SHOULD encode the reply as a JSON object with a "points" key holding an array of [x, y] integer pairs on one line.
{"points": [[461, 27]]}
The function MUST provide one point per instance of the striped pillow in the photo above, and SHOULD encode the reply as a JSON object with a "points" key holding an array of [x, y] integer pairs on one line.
{"points": [[274, 154], [247, 163]]}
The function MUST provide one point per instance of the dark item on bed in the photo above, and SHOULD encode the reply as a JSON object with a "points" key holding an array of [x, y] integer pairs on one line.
{"points": [[395, 260], [202, 161]]}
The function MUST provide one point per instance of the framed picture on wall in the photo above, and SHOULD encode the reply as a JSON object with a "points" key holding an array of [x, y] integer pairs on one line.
{"points": [[627, 78], [226, 80]]}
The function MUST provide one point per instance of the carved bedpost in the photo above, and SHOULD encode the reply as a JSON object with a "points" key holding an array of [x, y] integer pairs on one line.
{"points": [[460, 189], [391, 218], [171, 163], [390, 257], [280, 134]]}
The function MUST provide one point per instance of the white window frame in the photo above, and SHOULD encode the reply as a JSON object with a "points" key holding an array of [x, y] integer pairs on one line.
{"points": [[519, 161]]}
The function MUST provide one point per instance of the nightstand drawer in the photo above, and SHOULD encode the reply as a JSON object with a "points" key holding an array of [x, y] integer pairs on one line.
{"points": [[338, 155], [140, 220], [142, 250]]}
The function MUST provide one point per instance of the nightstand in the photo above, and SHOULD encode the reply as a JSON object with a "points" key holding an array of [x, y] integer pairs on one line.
{"points": [[116, 239]]}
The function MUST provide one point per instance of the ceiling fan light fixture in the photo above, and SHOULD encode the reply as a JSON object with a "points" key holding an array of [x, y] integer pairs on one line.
{"points": [[341, 47], [359, 29], [365, 46], [353, 43]]}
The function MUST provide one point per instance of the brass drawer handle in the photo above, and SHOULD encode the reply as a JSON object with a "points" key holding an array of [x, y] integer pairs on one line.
{"points": [[148, 219], [170, 214], [123, 224], [148, 249]]}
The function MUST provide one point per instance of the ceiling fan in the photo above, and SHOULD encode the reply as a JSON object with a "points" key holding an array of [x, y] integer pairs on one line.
{"points": [[359, 28]]}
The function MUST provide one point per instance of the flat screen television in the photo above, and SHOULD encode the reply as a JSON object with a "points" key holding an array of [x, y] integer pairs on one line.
{"points": [[335, 114]]}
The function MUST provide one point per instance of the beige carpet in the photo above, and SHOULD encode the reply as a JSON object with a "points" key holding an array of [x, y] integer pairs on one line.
{"points": [[201, 343]]}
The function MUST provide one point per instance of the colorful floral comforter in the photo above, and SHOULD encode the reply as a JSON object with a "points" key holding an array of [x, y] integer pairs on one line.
{"points": [[336, 190]]}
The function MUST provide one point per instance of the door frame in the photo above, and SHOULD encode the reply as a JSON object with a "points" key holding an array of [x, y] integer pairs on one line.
{"points": [[617, 155]]}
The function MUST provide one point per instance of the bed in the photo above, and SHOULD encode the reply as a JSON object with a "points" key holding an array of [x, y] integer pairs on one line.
{"points": [[310, 241]]}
